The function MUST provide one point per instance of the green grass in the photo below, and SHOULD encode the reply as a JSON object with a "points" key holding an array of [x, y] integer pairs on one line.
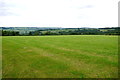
{"points": [[84, 56], [1, 58]]}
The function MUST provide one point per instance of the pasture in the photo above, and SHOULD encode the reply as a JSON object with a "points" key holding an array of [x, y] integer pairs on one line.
{"points": [[72, 56]]}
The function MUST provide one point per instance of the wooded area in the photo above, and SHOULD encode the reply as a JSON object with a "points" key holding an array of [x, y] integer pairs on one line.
{"points": [[64, 31]]}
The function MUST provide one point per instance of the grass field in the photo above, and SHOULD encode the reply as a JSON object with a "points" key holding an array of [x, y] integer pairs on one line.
{"points": [[75, 56]]}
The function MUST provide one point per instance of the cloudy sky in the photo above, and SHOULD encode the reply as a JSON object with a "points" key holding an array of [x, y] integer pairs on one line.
{"points": [[59, 13]]}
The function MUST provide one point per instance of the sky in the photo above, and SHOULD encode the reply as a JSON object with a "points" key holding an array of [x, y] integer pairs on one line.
{"points": [[59, 13]]}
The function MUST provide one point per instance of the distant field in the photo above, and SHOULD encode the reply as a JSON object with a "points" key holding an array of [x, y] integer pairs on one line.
{"points": [[75, 56]]}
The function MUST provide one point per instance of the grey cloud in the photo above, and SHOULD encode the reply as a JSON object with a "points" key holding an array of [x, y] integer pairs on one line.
{"points": [[87, 6], [4, 9]]}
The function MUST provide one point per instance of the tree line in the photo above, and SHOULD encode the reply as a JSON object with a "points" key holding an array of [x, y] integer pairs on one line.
{"points": [[78, 31]]}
